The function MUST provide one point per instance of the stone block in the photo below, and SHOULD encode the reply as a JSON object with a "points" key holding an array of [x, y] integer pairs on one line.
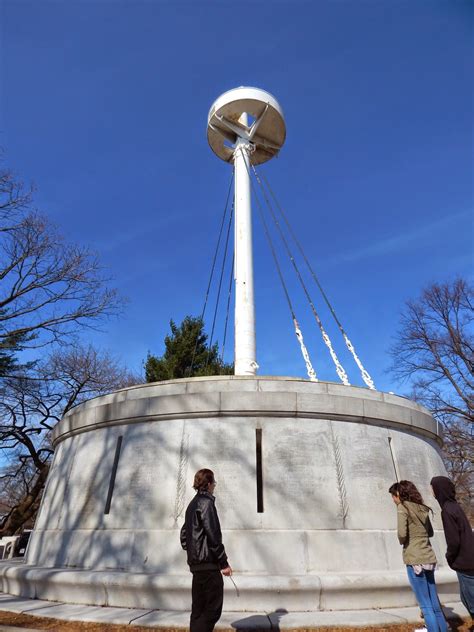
{"points": [[293, 593], [157, 551], [401, 400], [184, 404], [143, 590], [68, 585], [150, 454], [336, 549], [75, 420], [87, 486], [20, 604], [340, 390], [423, 421], [157, 389], [393, 549], [340, 406], [365, 472], [253, 551], [123, 411], [168, 619], [380, 410], [418, 460], [46, 547], [299, 475], [258, 402], [292, 386], [56, 483], [365, 590], [209, 386]]}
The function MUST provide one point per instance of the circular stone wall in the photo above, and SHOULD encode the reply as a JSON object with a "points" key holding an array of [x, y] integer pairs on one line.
{"points": [[303, 470]]}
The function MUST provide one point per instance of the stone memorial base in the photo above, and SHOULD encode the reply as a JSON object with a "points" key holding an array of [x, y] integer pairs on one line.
{"points": [[302, 469]]}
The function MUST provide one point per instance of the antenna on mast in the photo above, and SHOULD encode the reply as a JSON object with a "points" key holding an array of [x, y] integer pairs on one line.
{"points": [[245, 126]]}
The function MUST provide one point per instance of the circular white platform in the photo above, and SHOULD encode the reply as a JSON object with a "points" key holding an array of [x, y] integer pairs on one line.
{"points": [[324, 538]]}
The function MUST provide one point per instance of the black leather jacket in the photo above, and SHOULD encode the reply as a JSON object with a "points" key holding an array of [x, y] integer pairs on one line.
{"points": [[201, 535]]}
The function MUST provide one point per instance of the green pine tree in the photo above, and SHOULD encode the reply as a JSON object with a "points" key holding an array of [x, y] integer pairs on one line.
{"points": [[10, 344], [186, 354]]}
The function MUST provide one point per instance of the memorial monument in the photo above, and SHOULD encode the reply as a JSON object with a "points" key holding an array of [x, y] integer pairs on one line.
{"points": [[303, 466]]}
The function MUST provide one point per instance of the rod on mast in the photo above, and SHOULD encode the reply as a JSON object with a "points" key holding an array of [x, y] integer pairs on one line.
{"points": [[234, 139]]}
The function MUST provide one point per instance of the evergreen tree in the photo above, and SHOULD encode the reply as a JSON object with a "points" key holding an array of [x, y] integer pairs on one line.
{"points": [[10, 345], [186, 354]]}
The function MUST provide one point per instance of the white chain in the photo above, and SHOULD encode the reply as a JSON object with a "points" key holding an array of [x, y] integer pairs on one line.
{"points": [[339, 368], [365, 376], [304, 351]]}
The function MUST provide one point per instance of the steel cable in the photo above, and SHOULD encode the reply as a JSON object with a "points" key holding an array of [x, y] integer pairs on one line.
{"points": [[339, 368], [190, 369], [299, 335], [229, 294], [365, 375], [220, 284]]}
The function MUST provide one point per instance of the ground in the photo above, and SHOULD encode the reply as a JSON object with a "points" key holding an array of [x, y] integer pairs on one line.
{"points": [[54, 625]]}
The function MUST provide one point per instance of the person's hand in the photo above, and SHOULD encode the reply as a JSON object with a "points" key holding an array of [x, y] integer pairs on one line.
{"points": [[227, 571]]}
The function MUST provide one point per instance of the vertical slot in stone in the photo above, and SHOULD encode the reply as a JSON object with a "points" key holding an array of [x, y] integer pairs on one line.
{"points": [[108, 502], [395, 468], [259, 469]]}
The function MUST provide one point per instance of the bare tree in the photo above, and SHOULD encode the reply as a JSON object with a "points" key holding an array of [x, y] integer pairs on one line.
{"points": [[435, 352], [30, 407], [14, 197], [49, 289]]}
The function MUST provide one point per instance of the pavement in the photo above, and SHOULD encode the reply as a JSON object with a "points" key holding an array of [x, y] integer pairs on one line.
{"points": [[278, 620]]}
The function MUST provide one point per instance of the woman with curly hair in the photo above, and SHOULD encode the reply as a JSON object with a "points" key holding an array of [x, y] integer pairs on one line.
{"points": [[414, 531]]}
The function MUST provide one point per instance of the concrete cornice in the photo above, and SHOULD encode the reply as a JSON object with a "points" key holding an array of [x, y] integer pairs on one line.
{"points": [[235, 396]]}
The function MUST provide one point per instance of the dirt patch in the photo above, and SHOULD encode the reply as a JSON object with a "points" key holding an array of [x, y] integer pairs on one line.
{"points": [[54, 625]]}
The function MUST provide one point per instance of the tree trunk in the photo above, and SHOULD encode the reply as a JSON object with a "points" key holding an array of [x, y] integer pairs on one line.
{"points": [[27, 508]]}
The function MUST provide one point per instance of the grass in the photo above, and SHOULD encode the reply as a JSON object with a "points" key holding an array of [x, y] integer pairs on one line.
{"points": [[54, 625]]}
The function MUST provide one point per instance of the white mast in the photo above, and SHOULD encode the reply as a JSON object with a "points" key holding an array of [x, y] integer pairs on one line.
{"points": [[245, 351], [234, 140]]}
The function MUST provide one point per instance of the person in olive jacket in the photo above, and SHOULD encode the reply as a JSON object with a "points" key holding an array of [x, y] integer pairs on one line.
{"points": [[459, 538], [201, 538], [414, 531]]}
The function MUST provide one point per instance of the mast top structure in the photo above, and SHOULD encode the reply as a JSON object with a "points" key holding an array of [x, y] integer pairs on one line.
{"points": [[227, 124]]}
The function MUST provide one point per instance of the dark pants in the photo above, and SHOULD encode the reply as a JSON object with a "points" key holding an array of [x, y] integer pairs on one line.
{"points": [[466, 587], [208, 595]]}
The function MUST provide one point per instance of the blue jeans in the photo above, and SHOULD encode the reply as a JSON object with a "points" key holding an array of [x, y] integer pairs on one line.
{"points": [[466, 588], [424, 588]]}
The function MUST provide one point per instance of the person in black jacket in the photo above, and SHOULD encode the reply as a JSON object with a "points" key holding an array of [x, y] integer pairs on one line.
{"points": [[459, 538], [201, 538]]}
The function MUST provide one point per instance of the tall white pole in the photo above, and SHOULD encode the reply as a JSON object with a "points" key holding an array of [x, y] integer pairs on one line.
{"points": [[242, 143], [245, 352]]}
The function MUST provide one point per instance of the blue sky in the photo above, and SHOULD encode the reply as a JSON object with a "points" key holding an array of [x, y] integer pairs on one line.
{"points": [[104, 106]]}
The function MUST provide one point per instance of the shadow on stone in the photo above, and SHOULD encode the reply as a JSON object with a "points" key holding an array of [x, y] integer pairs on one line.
{"points": [[455, 621], [255, 622]]}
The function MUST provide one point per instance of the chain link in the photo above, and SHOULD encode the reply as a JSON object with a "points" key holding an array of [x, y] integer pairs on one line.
{"points": [[304, 351]]}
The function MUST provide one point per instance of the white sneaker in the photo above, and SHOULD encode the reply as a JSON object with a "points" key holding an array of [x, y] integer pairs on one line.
{"points": [[420, 630]]}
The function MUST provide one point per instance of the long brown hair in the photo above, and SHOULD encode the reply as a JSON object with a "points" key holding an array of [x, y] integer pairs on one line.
{"points": [[408, 492]]}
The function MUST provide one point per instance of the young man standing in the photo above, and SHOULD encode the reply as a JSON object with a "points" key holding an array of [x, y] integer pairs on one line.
{"points": [[459, 538], [201, 538]]}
